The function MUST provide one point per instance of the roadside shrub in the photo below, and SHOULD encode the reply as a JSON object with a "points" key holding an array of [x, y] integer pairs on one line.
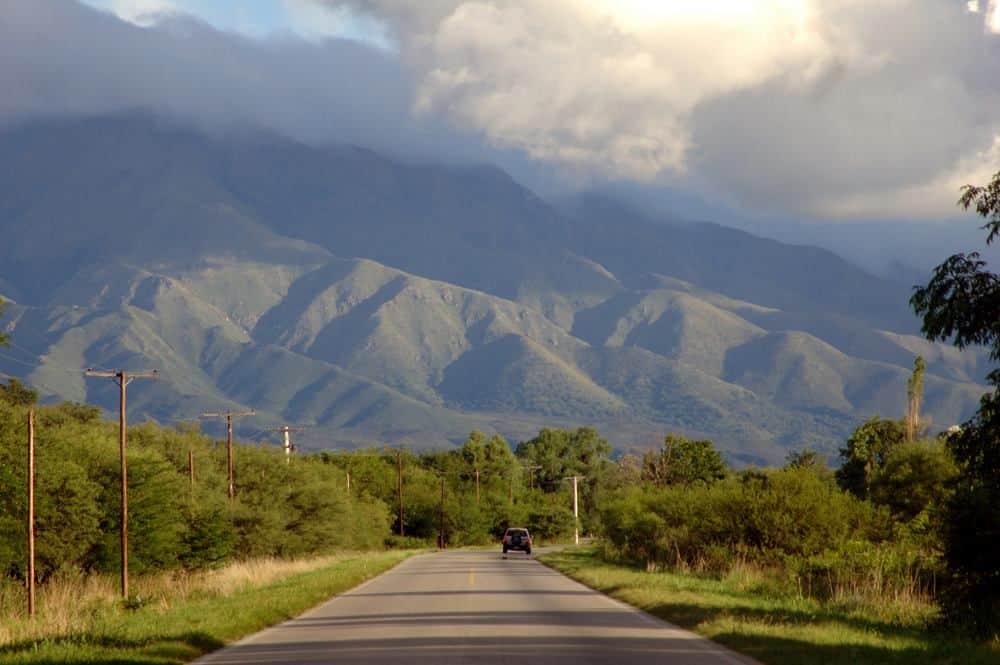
{"points": [[282, 508], [767, 517], [861, 570], [549, 518], [914, 478]]}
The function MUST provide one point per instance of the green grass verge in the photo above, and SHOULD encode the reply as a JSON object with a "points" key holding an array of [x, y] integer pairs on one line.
{"points": [[188, 629], [773, 628]]}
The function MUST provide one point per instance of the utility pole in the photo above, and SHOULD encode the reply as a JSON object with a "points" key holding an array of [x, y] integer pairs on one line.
{"points": [[31, 513], [191, 467], [286, 430], [399, 487], [576, 515], [576, 510], [123, 378], [441, 528], [229, 415], [477, 486], [531, 475]]}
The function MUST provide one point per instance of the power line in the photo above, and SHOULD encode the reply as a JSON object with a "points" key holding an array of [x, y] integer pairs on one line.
{"points": [[30, 384], [45, 360], [20, 362]]}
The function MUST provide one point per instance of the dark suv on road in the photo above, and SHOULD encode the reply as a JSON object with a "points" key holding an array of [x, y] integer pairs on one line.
{"points": [[517, 539]]}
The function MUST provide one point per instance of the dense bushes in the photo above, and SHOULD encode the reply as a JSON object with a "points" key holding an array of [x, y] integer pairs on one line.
{"points": [[765, 517], [794, 522], [874, 529], [281, 509], [526, 490]]}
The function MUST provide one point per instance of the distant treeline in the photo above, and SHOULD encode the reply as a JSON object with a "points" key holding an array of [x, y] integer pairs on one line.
{"points": [[280, 510], [871, 528], [306, 504]]}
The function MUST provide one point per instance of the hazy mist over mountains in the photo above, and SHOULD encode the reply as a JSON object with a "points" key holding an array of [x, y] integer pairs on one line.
{"points": [[407, 303]]}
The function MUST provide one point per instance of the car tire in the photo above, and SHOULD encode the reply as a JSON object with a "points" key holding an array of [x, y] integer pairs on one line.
{"points": [[528, 551], [504, 550]]}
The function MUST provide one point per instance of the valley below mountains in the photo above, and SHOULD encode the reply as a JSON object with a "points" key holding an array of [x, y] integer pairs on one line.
{"points": [[382, 302]]}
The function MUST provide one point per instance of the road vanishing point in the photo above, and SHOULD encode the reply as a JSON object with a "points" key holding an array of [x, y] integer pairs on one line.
{"points": [[474, 607]]}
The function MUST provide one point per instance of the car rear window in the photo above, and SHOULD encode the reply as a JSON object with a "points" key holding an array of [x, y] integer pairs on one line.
{"points": [[516, 532]]}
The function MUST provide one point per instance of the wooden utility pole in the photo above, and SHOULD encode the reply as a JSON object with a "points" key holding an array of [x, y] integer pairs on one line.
{"points": [[191, 467], [123, 378], [531, 475], [287, 430], [441, 527], [348, 481], [477, 486], [229, 415], [31, 514], [399, 487]]}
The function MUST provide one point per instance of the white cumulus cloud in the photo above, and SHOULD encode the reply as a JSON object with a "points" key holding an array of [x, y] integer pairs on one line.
{"points": [[794, 104]]}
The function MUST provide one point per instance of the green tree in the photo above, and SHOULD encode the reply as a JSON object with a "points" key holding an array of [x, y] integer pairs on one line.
{"points": [[914, 478], [866, 450], [18, 394], [803, 459], [474, 450], [628, 471], [564, 453], [961, 303], [683, 461]]}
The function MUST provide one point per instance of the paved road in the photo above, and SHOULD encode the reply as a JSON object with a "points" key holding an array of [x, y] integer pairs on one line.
{"points": [[474, 607]]}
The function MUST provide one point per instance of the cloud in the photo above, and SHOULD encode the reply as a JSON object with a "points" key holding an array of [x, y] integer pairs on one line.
{"points": [[143, 12], [795, 105], [832, 108], [59, 57]]}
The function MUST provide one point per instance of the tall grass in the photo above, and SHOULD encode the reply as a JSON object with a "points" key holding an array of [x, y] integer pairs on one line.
{"points": [[761, 612], [72, 604]]}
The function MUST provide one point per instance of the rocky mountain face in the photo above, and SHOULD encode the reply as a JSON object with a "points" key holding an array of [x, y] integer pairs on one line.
{"points": [[378, 301]]}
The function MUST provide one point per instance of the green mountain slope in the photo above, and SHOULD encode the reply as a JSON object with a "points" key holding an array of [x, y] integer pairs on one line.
{"points": [[385, 302], [673, 324]]}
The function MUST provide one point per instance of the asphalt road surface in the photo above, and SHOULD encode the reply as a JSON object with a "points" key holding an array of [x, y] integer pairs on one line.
{"points": [[474, 607]]}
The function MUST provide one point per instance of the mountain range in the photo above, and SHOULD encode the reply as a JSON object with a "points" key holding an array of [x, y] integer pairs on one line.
{"points": [[381, 301]]}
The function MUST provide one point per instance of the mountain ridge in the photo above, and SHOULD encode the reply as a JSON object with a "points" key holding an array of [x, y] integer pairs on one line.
{"points": [[378, 301]]}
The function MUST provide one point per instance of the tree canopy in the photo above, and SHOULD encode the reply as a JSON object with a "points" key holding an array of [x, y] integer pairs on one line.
{"points": [[683, 461], [866, 451], [961, 303]]}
